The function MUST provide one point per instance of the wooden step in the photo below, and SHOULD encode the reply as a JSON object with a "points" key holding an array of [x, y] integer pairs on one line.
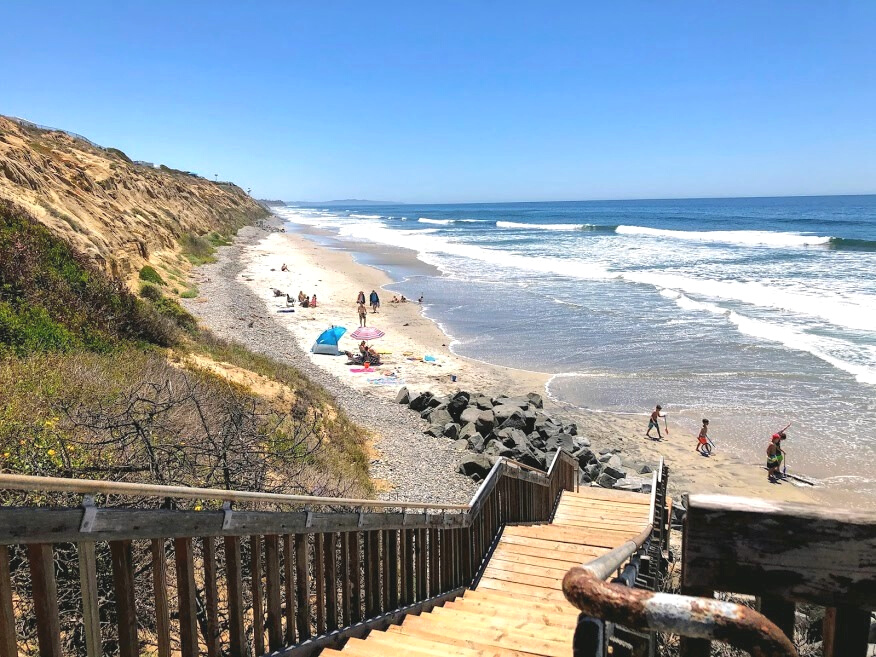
{"points": [[608, 494], [499, 638], [475, 621], [548, 547], [403, 644], [495, 597], [537, 592], [601, 538], [513, 609], [498, 563], [458, 642], [546, 582], [532, 556]]}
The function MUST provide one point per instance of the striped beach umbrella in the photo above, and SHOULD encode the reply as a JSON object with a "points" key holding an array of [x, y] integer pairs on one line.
{"points": [[367, 333]]}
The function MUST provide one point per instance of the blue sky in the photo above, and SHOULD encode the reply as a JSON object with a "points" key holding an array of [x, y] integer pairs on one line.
{"points": [[463, 101]]}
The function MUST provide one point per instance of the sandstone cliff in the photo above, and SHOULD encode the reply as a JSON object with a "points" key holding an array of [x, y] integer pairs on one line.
{"points": [[121, 214]]}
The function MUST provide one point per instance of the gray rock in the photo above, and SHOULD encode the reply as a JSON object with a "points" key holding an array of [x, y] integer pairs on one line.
{"points": [[420, 402], [504, 411], [580, 441], [515, 420], [529, 416], [611, 471], [435, 402], [615, 461], [474, 464], [646, 469], [593, 471], [457, 405], [451, 431], [571, 429], [483, 403], [440, 416], [435, 430], [530, 459], [535, 399], [403, 396], [605, 458], [460, 445], [606, 480], [628, 483], [584, 457], [470, 414], [468, 430], [476, 443], [485, 422]]}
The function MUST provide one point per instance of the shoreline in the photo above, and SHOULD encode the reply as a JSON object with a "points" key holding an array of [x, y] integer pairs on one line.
{"points": [[320, 264]]}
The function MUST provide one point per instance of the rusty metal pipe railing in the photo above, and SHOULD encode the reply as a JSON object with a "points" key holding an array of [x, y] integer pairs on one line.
{"points": [[603, 566], [700, 618]]}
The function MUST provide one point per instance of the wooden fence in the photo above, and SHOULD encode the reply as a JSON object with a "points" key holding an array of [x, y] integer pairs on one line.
{"points": [[784, 554], [251, 582]]}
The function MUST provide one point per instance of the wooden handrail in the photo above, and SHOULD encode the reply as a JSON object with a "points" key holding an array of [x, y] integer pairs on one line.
{"points": [[89, 486]]}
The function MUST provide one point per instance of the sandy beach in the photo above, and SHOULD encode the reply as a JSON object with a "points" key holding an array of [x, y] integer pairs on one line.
{"points": [[336, 278]]}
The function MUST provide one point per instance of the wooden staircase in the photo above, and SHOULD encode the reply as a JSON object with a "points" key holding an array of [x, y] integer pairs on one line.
{"points": [[518, 607]]}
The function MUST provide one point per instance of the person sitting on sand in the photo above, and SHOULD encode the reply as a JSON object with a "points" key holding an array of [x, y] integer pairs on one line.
{"points": [[420, 300], [363, 313], [394, 299], [300, 296], [654, 423], [703, 438], [289, 301], [775, 454], [403, 300], [284, 267], [313, 301], [306, 302], [375, 301], [361, 297]]}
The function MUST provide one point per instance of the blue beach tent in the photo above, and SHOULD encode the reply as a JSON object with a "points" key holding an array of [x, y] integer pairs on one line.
{"points": [[327, 342]]}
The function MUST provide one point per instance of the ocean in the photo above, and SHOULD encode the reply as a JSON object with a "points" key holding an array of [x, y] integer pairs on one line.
{"points": [[750, 312]]}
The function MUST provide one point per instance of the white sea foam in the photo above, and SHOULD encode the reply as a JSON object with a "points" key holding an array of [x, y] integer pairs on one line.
{"points": [[822, 347], [440, 222], [367, 216], [743, 237], [514, 224]]}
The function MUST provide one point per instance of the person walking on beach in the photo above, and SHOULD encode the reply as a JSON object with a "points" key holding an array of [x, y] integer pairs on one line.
{"points": [[703, 438], [775, 454], [363, 313], [361, 298], [653, 422], [375, 301]]}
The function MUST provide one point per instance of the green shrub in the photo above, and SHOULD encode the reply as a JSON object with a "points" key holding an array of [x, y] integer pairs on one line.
{"points": [[197, 249], [217, 239], [149, 275], [190, 293], [151, 292]]}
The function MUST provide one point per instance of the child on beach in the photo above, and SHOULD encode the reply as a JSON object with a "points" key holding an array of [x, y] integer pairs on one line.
{"points": [[361, 298], [313, 301], [375, 301], [703, 438], [775, 454], [654, 424], [363, 313]]}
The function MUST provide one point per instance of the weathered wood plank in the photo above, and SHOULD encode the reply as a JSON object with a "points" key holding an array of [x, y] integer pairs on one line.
{"points": [[289, 587], [392, 574], [409, 578], [809, 554], [23, 525], [211, 597], [779, 612], [330, 541], [272, 591], [90, 601], [346, 584], [45, 598], [846, 632], [354, 540], [159, 594], [319, 582], [126, 606], [234, 584], [420, 555], [302, 586], [258, 610], [434, 581], [8, 641], [185, 586]]}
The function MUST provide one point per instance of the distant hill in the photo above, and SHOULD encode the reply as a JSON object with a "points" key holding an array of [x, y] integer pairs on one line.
{"points": [[341, 202]]}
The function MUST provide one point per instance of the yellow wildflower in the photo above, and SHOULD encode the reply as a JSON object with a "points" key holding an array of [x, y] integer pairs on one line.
{"points": [[198, 507], [51, 452]]}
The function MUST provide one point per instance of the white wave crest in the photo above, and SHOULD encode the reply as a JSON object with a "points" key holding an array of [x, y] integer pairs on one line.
{"points": [[822, 347], [367, 216], [514, 224], [440, 222], [743, 237]]}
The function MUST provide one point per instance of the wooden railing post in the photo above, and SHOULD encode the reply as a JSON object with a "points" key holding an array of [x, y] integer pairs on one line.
{"points": [[185, 585], [331, 580], [258, 611], [319, 582], [779, 612], [289, 587], [346, 583], [234, 584], [355, 546], [88, 588], [392, 575], [123, 583], [45, 598], [372, 574], [302, 587], [8, 641], [845, 632], [211, 596], [272, 590]]}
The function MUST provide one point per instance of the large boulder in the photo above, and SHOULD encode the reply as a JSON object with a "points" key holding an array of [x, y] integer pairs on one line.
{"points": [[476, 443], [435, 430], [634, 484], [593, 470], [571, 429], [580, 441], [584, 457], [468, 430], [485, 422], [420, 402], [646, 469], [474, 464], [470, 414], [513, 438], [611, 471], [530, 459], [457, 405], [606, 480], [515, 420], [440, 416], [451, 431], [535, 399], [460, 445], [483, 403], [436, 402], [403, 396]]}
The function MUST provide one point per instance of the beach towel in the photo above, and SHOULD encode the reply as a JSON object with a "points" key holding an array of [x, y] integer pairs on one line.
{"points": [[359, 370], [429, 359], [386, 381], [286, 310]]}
